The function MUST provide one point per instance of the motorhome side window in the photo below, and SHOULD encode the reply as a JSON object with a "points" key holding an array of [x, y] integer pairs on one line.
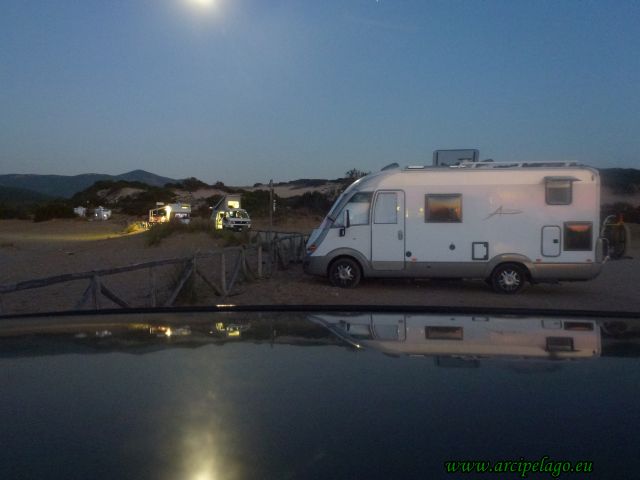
{"points": [[578, 235], [358, 207], [443, 208], [558, 191]]}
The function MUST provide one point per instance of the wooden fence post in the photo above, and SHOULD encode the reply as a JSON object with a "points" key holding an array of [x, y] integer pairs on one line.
{"points": [[223, 274], [152, 287], [260, 260], [234, 276], [186, 274], [95, 292]]}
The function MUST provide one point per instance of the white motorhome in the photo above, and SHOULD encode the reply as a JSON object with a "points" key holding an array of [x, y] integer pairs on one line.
{"points": [[507, 223], [166, 213]]}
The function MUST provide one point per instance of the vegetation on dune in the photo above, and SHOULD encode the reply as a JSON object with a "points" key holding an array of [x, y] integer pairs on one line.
{"points": [[226, 238], [12, 211], [314, 202], [190, 184], [136, 204], [624, 181], [140, 203], [204, 209], [257, 202], [19, 203], [51, 210]]}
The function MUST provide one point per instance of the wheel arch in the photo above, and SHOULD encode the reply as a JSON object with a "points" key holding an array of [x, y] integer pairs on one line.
{"points": [[520, 260], [354, 255], [345, 256]]}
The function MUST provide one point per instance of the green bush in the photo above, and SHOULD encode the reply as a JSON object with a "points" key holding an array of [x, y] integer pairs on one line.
{"points": [[257, 202], [232, 239], [190, 184], [160, 231], [203, 210], [13, 212], [314, 202]]}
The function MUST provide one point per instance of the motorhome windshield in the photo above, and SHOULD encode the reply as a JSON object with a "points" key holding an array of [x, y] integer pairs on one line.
{"points": [[342, 200], [358, 205]]}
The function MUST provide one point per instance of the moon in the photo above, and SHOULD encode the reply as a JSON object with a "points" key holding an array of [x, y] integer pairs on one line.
{"points": [[203, 3]]}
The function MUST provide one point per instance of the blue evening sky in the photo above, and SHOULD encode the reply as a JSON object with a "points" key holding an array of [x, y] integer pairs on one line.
{"points": [[247, 90]]}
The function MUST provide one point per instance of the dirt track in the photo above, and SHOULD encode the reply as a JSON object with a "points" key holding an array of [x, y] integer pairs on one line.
{"points": [[29, 250], [617, 288]]}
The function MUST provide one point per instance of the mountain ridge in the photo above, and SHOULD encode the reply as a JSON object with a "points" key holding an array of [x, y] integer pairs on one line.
{"points": [[66, 186]]}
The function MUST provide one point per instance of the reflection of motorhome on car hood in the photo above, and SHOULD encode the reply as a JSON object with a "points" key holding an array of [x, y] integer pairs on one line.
{"points": [[507, 223], [469, 336]]}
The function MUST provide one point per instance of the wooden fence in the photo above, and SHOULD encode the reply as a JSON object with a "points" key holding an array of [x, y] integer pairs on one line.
{"points": [[232, 264], [284, 248], [267, 252]]}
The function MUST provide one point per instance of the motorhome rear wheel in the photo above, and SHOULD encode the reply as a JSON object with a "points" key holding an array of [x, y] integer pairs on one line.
{"points": [[508, 278]]}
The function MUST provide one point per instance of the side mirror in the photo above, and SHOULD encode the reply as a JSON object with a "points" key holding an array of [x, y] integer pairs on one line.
{"points": [[346, 223]]}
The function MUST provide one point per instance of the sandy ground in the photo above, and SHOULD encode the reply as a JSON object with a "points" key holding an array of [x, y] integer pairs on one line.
{"points": [[35, 250]]}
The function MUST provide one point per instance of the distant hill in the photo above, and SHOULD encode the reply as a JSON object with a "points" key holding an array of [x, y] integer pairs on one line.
{"points": [[65, 186], [623, 181], [145, 177]]}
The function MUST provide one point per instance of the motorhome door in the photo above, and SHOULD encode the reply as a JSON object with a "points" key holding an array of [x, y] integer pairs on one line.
{"points": [[388, 231]]}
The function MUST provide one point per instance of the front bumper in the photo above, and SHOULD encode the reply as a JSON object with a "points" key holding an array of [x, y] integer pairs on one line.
{"points": [[315, 265]]}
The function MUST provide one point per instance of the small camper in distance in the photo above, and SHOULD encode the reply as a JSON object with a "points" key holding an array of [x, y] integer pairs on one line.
{"points": [[180, 212], [507, 223]]}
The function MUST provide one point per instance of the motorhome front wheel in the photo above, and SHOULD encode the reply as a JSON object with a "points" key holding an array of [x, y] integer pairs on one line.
{"points": [[344, 273]]}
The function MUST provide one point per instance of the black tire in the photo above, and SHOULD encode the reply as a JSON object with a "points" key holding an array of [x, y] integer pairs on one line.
{"points": [[508, 278], [345, 273]]}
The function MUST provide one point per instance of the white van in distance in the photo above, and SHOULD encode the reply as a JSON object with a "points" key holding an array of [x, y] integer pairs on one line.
{"points": [[507, 223]]}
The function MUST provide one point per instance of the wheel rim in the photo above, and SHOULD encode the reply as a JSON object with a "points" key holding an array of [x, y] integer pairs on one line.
{"points": [[509, 280], [344, 274]]}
